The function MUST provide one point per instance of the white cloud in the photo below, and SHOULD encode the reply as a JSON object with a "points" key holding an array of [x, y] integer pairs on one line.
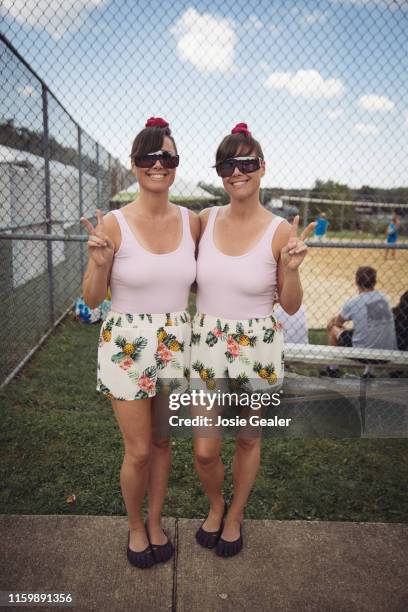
{"points": [[278, 80], [315, 17], [27, 90], [252, 23], [335, 114], [375, 103], [305, 83], [239, 70], [406, 117], [204, 40], [366, 129], [56, 18]]}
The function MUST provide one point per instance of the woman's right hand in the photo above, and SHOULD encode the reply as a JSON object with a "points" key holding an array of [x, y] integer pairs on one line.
{"points": [[100, 247]]}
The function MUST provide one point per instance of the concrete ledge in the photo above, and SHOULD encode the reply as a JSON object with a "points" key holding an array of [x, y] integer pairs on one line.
{"points": [[285, 566], [298, 566], [83, 555]]}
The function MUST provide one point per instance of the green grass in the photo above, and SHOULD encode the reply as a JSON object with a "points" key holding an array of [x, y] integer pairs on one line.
{"points": [[127, 197], [317, 336], [59, 436]]}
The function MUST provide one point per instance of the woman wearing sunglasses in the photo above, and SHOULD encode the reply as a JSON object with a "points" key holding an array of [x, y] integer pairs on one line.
{"points": [[145, 252], [246, 255]]}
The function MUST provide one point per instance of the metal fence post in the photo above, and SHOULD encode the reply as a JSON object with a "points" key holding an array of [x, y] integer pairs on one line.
{"points": [[48, 219], [305, 213], [81, 196]]}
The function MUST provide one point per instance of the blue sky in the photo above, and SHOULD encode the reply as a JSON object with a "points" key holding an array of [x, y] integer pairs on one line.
{"points": [[322, 85]]}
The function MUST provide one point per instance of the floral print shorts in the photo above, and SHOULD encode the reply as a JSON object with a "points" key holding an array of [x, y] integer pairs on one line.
{"points": [[236, 355], [140, 355]]}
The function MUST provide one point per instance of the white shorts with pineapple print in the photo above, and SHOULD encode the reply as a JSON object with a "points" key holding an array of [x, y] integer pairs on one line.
{"points": [[140, 355], [230, 354]]}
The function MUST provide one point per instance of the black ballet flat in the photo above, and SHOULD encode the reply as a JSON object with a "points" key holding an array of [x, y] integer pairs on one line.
{"points": [[229, 549], [209, 539], [142, 559], [161, 552]]}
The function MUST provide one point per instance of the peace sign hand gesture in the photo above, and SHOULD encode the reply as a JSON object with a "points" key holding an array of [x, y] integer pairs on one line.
{"points": [[295, 251], [100, 247]]}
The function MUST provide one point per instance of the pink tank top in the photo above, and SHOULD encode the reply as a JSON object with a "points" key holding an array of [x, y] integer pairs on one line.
{"points": [[144, 282], [236, 286]]}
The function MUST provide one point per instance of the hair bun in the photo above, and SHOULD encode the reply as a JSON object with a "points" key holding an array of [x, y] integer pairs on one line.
{"points": [[156, 122], [241, 127]]}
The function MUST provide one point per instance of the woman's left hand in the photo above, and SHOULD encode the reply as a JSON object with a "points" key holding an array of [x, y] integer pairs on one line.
{"points": [[295, 251]]}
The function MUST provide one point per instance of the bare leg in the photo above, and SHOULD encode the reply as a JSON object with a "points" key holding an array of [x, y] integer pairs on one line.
{"points": [[134, 419], [209, 465], [159, 470], [245, 466], [210, 470]]}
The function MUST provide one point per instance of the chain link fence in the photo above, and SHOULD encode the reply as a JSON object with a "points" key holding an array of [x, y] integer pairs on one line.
{"points": [[52, 172], [321, 85]]}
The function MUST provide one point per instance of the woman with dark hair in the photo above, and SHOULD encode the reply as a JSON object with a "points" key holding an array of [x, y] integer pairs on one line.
{"points": [[145, 252], [246, 256]]}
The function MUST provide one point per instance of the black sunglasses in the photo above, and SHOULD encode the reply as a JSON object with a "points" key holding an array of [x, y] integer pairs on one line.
{"points": [[246, 165], [167, 159]]}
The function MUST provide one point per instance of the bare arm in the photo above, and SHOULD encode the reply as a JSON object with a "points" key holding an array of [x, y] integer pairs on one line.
{"points": [[292, 251], [290, 289], [336, 321], [101, 250], [95, 283]]}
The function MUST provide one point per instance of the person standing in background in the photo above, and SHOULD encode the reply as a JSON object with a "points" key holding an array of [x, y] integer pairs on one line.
{"points": [[321, 226], [391, 235]]}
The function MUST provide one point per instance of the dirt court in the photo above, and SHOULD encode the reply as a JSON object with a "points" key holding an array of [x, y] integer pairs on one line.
{"points": [[328, 278]]}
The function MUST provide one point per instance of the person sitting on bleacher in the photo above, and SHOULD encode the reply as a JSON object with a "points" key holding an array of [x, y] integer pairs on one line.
{"points": [[372, 317], [400, 312]]}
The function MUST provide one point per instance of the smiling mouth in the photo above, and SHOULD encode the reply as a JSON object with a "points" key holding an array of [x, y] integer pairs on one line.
{"points": [[157, 176], [239, 183]]}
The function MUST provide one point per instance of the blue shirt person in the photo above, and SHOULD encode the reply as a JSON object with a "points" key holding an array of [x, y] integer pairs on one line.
{"points": [[372, 317], [392, 234], [321, 226]]}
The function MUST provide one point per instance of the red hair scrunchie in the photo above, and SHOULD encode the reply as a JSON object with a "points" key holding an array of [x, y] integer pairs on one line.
{"points": [[156, 122], [241, 127]]}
